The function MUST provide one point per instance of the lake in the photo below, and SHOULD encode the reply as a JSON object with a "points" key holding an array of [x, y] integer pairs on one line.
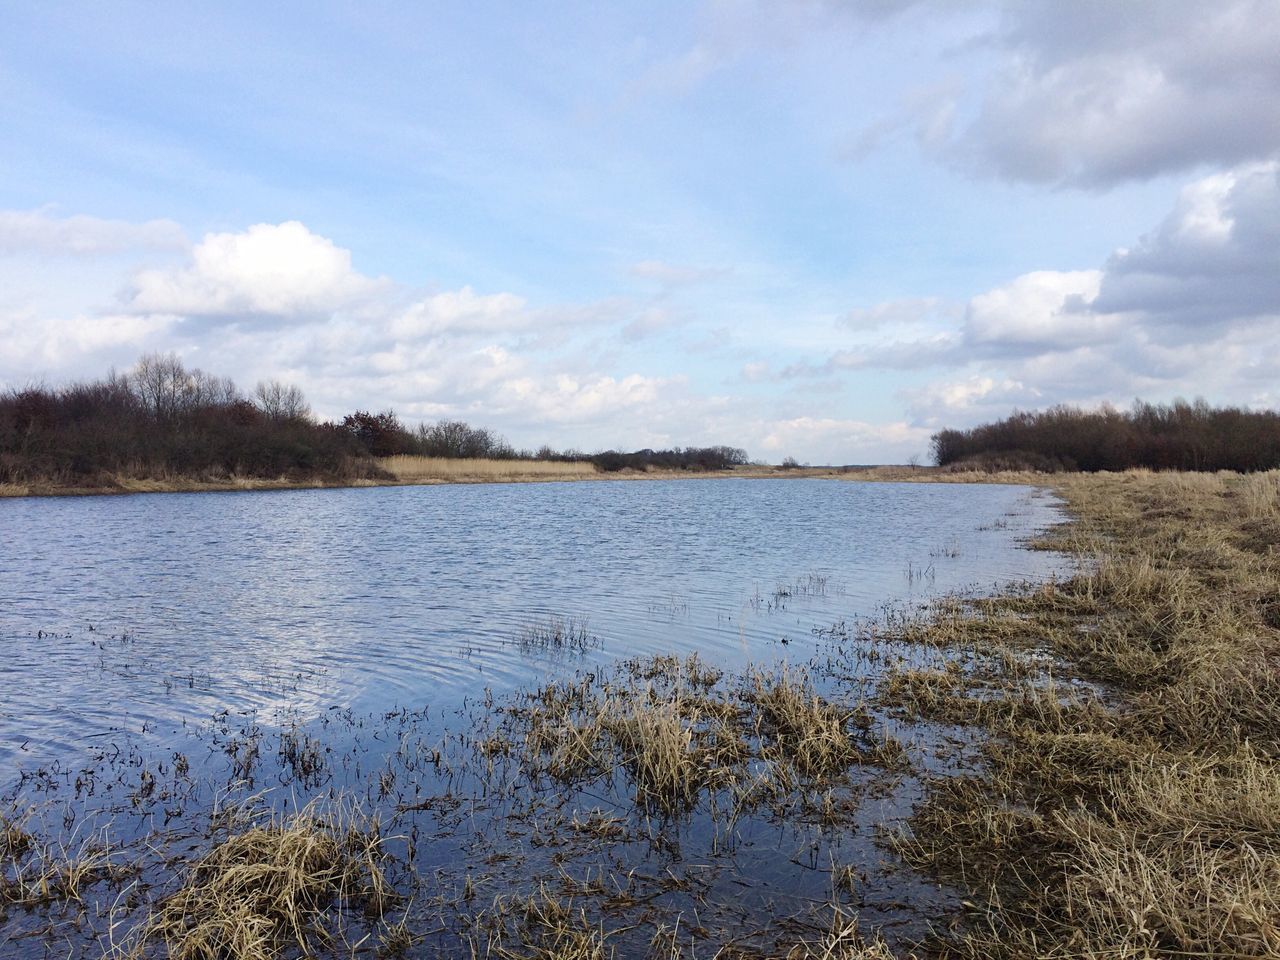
{"points": [[138, 628]]}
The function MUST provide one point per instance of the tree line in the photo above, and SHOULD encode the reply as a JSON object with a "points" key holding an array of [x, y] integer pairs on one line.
{"points": [[383, 435], [162, 419], [1175, 436]]}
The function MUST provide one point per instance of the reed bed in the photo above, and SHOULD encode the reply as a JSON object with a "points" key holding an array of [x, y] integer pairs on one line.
{"points": [[557, 633], [844, 941], [411, 469], [37, 872]]}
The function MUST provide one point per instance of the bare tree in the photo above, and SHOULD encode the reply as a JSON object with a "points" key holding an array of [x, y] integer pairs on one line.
{"points": [[158, 380], [166, 388], [208, 390], [281, 401]]}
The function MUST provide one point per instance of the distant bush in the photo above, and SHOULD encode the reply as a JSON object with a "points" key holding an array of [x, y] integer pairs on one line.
{"points": [[1178, 436], [162, 419], [677, 458], [453, 438], [379, 434]]}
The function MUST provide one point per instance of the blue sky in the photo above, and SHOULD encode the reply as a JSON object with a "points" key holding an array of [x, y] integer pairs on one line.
{"points": [[811, 229]]}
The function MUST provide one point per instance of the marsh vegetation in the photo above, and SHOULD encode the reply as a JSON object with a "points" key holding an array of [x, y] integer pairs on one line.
{"points": [[1081, 767]]}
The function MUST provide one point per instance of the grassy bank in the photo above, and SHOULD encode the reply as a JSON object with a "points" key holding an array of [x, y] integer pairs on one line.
{"points": [[1127, 801]]}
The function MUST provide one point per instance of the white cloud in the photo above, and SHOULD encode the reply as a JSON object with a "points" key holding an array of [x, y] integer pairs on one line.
{"points": [[461, 312], [275, 270], [569, 398], [1096, 93], [35, 344], [837, 441], [970, 399], [39, 232], [1046, 308]]}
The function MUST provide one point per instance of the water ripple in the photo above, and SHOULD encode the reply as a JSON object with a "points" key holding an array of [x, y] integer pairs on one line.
{"points": [[136, 615]]}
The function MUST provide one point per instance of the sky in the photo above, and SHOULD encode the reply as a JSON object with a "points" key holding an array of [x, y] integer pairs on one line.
{"points": [[810, 229]]}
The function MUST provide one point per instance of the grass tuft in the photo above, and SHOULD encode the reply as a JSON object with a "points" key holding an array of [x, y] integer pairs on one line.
{"points": [[268, 889]]}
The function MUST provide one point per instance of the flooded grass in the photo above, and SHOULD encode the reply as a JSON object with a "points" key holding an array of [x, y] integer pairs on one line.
{"points": [[1133, 815], [1084, 768], [556, 633], [269, 887]]}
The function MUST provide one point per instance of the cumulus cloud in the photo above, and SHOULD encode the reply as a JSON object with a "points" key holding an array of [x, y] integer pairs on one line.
{"points": [[1045, 308], [462, 312], [1190, 308], [1094, 93], [1214, 260], [270, 270], [969, 399], [39, 232]]}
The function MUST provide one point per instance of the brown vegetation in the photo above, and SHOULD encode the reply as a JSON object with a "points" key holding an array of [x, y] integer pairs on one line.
{"points": [[268, 888], [165, 427], [1136, 817], [1181, 436], [414, 469]]}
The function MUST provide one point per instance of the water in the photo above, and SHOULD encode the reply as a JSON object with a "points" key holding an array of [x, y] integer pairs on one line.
{"points": [[158, 623]]}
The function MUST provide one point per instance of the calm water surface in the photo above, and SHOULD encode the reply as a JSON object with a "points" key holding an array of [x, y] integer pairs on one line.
{"points": [[136, 615]]}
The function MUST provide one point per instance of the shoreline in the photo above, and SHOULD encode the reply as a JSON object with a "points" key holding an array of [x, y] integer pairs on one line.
{"points": [[129, 486], [490, 472]]}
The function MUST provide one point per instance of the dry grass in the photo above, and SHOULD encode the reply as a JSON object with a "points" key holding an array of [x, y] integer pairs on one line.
{"points": [[540, 926], [811, 732], [36, 872], [678, 731], [844, 941], [1140, 820], [408, 469], [270, 888]]}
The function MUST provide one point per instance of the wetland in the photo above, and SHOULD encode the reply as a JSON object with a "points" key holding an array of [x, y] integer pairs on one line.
{"points": [[509, 719], [807, 718]]}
